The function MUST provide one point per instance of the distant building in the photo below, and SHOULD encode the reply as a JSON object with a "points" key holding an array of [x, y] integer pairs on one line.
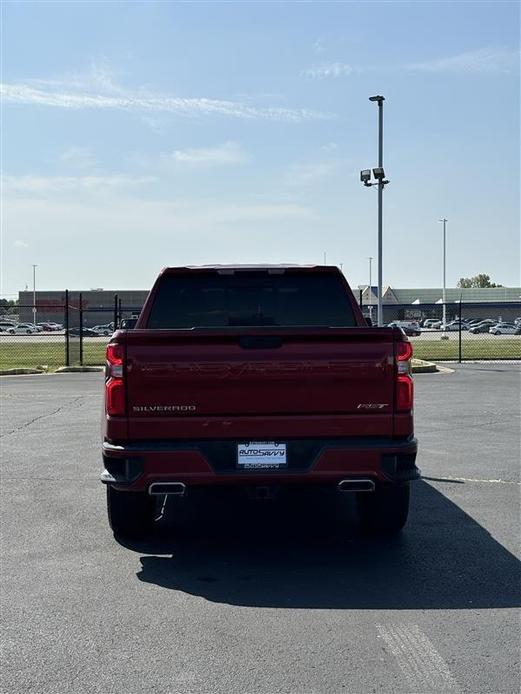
{"points": [[434, 296], [403, 304], [98, 305], [400, 304]]}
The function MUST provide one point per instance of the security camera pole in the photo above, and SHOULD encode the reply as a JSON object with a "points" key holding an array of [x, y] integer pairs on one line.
{"points": [[443, 220], [381, 182], [370, 297]]}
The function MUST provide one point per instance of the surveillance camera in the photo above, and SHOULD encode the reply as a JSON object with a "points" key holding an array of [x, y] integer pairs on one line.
{"points": [[379, 173], [365, 175]]}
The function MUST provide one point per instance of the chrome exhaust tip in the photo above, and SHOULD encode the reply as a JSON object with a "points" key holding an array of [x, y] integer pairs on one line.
{"points": [[356, 486], [167, 488]]}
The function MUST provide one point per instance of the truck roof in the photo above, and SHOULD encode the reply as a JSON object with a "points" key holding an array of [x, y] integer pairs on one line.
{"points": [[240, 266]]}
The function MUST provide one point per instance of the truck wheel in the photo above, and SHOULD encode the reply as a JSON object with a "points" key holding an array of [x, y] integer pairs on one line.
{"points": [[385, 510], [130, 513]]}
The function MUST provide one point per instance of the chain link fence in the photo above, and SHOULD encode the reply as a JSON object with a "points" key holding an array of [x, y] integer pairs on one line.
{"points": [[69, 332], [28, 340], [458, 331]]}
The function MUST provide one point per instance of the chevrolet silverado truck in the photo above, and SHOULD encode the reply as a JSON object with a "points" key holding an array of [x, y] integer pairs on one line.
{"points": [[257, 377]]}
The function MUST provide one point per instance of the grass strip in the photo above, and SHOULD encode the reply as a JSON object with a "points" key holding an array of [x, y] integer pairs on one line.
{"points": [[52, 354]]}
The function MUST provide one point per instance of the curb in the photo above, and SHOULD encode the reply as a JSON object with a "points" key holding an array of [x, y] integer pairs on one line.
{"points": [[78, 369], [424, 367], [18, 372]]}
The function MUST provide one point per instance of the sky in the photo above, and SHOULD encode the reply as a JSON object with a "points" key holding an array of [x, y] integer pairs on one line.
{"points": [[138, 135]]}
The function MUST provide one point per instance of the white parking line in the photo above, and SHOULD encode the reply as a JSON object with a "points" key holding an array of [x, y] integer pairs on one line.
{"points": [[469, 479], [423, 667]]}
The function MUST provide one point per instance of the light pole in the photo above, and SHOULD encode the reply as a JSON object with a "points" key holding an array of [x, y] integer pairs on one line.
{"points": [[34, 294], [381, 182], [370, 288], [443, 220]]}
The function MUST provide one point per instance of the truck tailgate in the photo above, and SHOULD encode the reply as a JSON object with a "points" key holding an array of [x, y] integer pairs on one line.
{"points": [[175, 374]]}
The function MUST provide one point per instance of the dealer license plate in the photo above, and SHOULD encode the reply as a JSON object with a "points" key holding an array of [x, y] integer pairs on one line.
{"points": [[261, 455]]}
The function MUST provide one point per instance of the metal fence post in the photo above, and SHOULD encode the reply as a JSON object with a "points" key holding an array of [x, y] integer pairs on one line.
{"points": [[360, 299], [119, 312], [459, 337], [81, 329], [66, 325]]}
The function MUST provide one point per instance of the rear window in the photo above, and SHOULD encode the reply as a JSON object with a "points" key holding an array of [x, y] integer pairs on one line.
{"points": [[207, 300]]}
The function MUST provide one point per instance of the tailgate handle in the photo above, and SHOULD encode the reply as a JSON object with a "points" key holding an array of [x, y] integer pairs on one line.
{"points": [[260, 341]]}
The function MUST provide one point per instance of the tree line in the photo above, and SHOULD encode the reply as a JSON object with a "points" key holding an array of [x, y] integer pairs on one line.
{"points": [[481, 280]]}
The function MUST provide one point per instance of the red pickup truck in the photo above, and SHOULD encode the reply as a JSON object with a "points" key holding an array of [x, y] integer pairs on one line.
{"points": [[257, 377]]}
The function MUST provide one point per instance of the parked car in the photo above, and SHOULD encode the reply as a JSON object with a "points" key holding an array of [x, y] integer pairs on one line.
{"points": [[410, 328], [49, 326], [130, 323], [454, 326], [5, 326], [253, 399], [103, 329], [86, 332], [429, 322], [503, 329], [482, 327], [22, 329], [436, 324]]}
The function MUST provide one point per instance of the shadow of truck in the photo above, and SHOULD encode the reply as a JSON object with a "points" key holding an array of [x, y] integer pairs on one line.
{"points": [[299, 556]]}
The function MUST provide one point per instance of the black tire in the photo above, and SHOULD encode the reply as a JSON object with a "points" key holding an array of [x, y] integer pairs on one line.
{"points": [[384, 511], [130, 513]]}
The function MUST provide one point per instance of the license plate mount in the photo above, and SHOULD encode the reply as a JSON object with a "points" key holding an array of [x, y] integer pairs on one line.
{"points": [[262, 455]]}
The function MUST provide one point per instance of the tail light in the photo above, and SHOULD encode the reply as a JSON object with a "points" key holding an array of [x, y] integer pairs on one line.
{"points": [[404, 383], [115, 401]]}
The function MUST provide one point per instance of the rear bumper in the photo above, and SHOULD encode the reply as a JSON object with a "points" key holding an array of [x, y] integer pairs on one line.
{"points": [[135, 465]]}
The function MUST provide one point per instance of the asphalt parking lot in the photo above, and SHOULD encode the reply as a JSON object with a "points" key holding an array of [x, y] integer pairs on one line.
{"points": [[254, 602]]}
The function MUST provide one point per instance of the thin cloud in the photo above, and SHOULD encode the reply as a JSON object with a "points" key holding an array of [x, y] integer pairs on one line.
{"points": [[229, 153], [43, 185], [99, 78], [301, 175], [481, 61], [329, 147], [58, 96], [328, 70], [20, 244], [319, 46], [80, 157]]}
